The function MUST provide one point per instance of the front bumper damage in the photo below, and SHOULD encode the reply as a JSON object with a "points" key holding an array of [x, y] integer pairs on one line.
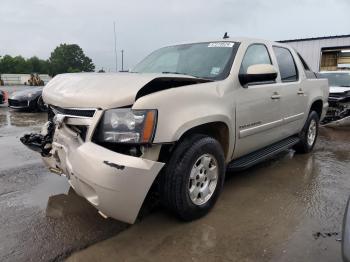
{"points": [[116, 184]]}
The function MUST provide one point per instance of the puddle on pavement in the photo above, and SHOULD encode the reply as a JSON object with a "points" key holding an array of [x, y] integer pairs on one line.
{"points": [[44, 219], [49, 187], [16, 118], [52, 194]]}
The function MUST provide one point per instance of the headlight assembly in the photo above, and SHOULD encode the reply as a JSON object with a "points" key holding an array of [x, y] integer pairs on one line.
{"points": [[127, 126]]}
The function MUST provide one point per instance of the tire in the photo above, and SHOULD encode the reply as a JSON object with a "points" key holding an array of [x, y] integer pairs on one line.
{"points": [[41, 105], [308, 134], [191, 169]]}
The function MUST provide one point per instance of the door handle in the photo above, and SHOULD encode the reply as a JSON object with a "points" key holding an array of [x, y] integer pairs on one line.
{"points": [[276, 96], [301, 92]]}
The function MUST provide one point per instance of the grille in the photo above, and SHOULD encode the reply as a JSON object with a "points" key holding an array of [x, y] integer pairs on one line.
{"points": [[18, 103], [73, 111], [81, 130]]}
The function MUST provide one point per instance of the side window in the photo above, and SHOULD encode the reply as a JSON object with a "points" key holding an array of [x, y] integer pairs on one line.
{"points": [[256, 54], [286, 64]]}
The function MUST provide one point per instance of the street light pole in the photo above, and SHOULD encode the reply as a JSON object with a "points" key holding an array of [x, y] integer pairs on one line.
{"points": [[115, 49], [122, 60]]}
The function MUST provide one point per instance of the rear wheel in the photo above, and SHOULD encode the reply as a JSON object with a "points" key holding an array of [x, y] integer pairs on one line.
{"points": [[193, 177], [308, 135]]}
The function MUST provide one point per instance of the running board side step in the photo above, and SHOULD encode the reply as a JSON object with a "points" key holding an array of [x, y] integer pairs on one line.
{"points": [[260, 155]]}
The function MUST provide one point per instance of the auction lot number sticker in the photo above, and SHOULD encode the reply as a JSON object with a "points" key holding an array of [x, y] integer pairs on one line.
{"points": [[221, 44]]}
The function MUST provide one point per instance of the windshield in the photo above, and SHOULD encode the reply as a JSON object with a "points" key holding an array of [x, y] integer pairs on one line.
{"points": [[337, 79], [203, 60]]}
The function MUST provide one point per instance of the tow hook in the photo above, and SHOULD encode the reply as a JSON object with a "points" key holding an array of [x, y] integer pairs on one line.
{"points": [[56, 171]]}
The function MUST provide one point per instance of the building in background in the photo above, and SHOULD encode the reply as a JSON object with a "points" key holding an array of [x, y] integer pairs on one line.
{"points": [[324, 53]]}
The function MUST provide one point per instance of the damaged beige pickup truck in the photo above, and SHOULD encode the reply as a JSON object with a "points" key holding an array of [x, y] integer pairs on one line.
{"points": [[175, 123]]}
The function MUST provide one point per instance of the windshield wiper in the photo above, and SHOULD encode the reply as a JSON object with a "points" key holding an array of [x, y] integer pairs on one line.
{"points": [[345, 86], [177, 73]]}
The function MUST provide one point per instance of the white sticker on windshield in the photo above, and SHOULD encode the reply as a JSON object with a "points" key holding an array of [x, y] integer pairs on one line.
{"points": [[215, 70], [221, 44]]}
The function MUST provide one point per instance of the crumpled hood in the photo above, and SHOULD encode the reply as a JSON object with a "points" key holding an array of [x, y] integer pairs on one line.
{"points": [[25, 92], [96, 90], [338, 89]]}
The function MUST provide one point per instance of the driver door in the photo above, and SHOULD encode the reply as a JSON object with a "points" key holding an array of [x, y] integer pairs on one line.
{"points": [[259, 116]]}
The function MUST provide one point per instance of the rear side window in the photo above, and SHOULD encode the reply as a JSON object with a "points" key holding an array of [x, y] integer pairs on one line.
{"points": [[256, 54], [286, 64]]}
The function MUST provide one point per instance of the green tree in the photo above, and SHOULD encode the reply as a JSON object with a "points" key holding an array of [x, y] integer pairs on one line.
{"points": [[69, 58], [6, 64], [64, 59], [37, 65], [20, 65]]}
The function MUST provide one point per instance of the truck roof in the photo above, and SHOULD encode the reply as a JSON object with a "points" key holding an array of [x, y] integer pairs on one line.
{"points": [[247, 40]]}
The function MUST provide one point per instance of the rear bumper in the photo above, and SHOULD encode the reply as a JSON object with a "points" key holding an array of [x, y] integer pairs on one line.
{"points": [[114, 183]]}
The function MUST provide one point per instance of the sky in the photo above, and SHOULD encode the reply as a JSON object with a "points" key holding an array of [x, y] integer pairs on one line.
{"points": [[36, 27]]}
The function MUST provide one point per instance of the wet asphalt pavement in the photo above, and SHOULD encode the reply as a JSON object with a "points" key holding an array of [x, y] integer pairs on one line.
{"points": [[280, 210]]}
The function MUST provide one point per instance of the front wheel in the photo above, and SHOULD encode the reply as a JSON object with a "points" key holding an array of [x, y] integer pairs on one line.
{"points": [[193, 178], [308, 135]]}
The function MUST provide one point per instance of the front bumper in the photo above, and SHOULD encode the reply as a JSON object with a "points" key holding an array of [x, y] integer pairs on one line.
{"points": [[116, 184], [21, 103]]}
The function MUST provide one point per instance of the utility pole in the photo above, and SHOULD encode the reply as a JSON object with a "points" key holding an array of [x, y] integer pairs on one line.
{"points": [[122, 60], [115, 49]]}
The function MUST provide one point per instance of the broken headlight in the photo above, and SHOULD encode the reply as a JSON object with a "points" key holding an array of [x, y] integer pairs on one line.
{"points": [[127, 126]]}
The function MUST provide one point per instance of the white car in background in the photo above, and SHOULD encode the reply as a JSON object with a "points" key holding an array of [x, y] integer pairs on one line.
{"points": [[338, 113]]}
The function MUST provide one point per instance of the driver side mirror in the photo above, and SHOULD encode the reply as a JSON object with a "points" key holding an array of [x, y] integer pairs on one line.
{"points": [[258, 74]]}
